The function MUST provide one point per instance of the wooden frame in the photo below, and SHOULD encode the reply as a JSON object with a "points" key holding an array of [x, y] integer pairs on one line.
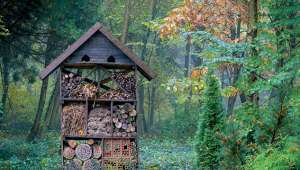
{"points": [[61, 64], [110, 103]]}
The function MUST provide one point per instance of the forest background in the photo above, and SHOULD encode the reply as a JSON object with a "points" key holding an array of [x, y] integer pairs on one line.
{"points": [[226, 95]]}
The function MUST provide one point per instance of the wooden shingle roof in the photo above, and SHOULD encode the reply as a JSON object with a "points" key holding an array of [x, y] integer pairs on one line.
{"points": [[142, 67]]}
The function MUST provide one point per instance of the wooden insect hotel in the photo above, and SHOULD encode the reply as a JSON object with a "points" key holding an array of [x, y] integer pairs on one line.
{"points": [[98, 102]]}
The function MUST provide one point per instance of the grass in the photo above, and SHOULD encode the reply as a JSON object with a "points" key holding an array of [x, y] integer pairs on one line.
{"points": [[155, 153]]}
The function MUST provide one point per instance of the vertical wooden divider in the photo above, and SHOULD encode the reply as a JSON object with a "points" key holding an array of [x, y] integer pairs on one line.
{"points": [[136, 118], [111, 114], [86, 116], [61, 115], [102, 157]]}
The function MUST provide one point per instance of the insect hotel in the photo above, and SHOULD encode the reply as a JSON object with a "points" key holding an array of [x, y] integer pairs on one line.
{"points": [[98, 102]]}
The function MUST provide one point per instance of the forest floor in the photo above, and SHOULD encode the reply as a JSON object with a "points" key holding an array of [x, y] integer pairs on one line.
{"points": [[155, 152]]}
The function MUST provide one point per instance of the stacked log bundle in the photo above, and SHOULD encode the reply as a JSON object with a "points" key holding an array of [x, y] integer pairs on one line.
{"points": [[73, 119], [82, 156], [91, 164], [124, 120], [73, 165], [126, 81], [99, 122], [116, 95], [74, 86], [83, 152]]}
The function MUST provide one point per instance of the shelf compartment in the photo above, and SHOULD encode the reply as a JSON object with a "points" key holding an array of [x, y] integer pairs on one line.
{"points": [[74, 119], [96, 137], [97, 100]]}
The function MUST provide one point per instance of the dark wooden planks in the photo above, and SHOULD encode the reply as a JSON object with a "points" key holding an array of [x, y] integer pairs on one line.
{"points": [[142, 67], [99, 58], [56, 63], [99, 49]]}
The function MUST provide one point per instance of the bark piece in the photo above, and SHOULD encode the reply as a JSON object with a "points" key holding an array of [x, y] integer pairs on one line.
{"points": [[68, 153], [90, 142], [97, 151], [72, 143]]}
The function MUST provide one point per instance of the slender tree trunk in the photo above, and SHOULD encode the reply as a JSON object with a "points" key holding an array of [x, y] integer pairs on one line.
{"points": [[5, 82], [51, 102], [149, 103], [187, 60], [235, 34], [141, 108], [141, 89], [152, 105], [243, 97], [54, 122], [34, 132], [43, 93], [253, 13], [53, 111], [126, 22], [232, 99], [50, 110], [188, 69], [280, 94]]}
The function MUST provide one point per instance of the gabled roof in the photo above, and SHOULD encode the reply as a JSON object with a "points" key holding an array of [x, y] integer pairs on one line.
{"points": [[142, 67]]}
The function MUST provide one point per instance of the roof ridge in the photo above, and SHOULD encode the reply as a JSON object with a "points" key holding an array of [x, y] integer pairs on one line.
{"points": [[142, 67]]}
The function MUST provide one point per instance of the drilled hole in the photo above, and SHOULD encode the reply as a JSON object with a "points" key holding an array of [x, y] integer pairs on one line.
{"points": [[111, 59], [85, 58]]}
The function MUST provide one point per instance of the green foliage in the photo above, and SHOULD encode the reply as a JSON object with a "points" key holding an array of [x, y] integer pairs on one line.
{"points": [[208, 145], [21, 116], [285, 156], [3, 30], [16, 153], [255, 136], [155, 152], [182, 126], [166, 153]]}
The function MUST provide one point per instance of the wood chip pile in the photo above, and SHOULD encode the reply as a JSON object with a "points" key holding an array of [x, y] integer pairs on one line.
{"points": [[73, 119]]}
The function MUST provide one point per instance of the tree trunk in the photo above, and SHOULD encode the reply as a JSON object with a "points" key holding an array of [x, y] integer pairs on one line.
{"points": [[235, 34], [152, 105], [126, 22], [54, 122], [188, 69], [5, 82], [34, 132], [253, 13], [279, 94], [43, 93], [52, 103], [51, 100], [141, 111], [141, 89], [243, 97]]}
